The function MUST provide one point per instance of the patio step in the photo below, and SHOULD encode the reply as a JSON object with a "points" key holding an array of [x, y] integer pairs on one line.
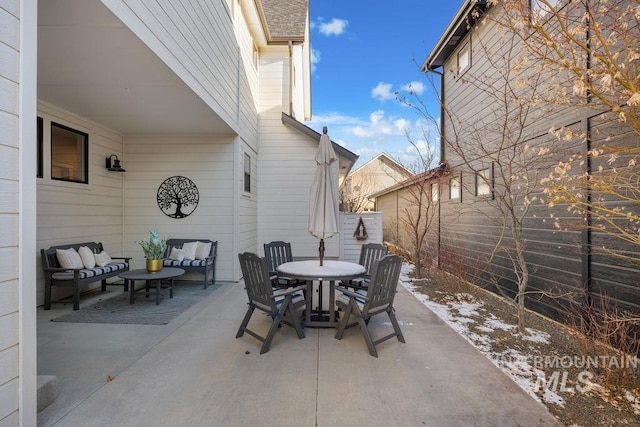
{"points": [[47, 390]]}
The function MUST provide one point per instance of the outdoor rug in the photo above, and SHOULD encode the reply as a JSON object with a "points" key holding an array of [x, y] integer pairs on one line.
{"points": [[117, 310]]}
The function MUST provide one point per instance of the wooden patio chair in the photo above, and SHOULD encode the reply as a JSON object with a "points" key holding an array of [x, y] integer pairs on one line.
{"points": [[277, 253], [376, 299], [369, 253], [277, 303]]}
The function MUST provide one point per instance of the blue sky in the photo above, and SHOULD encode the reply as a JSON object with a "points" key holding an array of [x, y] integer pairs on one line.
{"points": [[362, 52]]}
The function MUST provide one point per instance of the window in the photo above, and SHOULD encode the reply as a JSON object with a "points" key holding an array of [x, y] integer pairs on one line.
{"points": [[434, 192], [454, 188], [464, 58], [40, 148], [247, 173], [69, 154], [484, 182], [539, 8]]}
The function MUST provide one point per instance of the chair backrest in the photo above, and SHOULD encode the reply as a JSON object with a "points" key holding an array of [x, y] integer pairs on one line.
{"points": [[385, 275], [276, 253], [256, 278], [369, 253]]}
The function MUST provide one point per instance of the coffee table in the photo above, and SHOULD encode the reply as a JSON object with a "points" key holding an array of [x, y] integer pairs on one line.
{"points": [[330, 271], [167, 273]]}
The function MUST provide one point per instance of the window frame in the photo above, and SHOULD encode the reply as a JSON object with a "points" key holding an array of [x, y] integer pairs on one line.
{"points": [[40, 148], [246, 183], [85, 154], [463, 51], [457, 179], [482, 181]]}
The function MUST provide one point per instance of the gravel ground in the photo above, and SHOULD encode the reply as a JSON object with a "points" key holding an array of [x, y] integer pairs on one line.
{"points": [[573, 386]]}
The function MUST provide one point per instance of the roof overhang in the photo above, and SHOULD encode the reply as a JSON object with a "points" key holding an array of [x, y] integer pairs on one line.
{"points": [[346, 158], [435, 173], [464, 20]]}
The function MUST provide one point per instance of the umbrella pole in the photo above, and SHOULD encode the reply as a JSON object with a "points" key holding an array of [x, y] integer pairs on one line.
{"points": [[321, 250]]}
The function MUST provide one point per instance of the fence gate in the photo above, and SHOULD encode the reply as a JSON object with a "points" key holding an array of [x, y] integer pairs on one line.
{"points": [[356, 229]]}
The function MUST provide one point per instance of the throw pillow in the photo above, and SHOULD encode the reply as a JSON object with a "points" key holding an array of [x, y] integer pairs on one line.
{"points": [[189, 249], [88, 259], [102, 259], [202, 250], [69, 258], [177, 254]]}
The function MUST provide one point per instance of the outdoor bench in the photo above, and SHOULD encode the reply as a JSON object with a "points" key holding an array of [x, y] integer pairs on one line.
{"points": [[57, 275], [203, 260]]}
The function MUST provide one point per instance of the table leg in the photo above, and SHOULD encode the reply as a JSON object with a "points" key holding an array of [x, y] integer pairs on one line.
{"points": [[158, 291], [309, 296], [132, 290], [332, 302], [171, 289]]}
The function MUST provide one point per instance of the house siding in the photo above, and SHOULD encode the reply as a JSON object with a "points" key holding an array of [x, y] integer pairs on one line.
{"points": [[208, 161], [72, 212], [17, 212], [286, 166], [469, 228], [196, 40], [9, 211]]}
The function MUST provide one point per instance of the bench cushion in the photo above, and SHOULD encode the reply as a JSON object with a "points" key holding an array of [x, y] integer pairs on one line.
{"points": [[91, 272], [184, 263]]}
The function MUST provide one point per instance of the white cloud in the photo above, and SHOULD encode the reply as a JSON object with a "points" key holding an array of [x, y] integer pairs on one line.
{"points": [[379, 132], [315, 58], [335, 27], [416, 87], [383, 92]]}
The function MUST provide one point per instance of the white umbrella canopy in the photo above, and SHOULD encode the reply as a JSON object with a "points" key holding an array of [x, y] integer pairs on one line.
{"points": [[323, 208]]}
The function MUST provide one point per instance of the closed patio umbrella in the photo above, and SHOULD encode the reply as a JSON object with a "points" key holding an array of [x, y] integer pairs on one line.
{"points": [[323, 208]]}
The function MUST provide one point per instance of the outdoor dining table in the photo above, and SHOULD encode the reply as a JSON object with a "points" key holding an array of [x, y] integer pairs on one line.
{"points": [[330, 271]]}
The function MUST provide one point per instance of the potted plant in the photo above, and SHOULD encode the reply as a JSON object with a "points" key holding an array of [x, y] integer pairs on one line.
{"points": [[154, 248]]}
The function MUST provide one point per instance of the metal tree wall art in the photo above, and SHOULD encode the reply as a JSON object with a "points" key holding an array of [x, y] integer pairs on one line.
{"points": [[178, 197]]}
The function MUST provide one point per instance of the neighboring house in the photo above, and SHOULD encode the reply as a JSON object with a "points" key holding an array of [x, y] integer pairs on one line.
{"points": [[467, 226], [215, 92], [377, 174]]}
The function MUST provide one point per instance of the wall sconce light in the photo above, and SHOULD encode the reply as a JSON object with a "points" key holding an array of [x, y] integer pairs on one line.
{"points": [[115, 167]]}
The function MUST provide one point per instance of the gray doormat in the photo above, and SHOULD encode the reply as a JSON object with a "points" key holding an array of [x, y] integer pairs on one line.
{"points": [[117, 310]]}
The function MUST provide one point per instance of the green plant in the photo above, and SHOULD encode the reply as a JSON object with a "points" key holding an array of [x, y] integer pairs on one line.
{"points": [[154, 246]]}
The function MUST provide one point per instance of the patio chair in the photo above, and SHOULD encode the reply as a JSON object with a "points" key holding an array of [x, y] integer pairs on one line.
{"points": [[277, 303], [276, 253], [369, 253], [376, 299]]}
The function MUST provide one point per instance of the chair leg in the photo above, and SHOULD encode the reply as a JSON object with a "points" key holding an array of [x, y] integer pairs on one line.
{"points": [[47, 296], [296, 321], [344, 322], [367, 337], [275, 324], [396, 326], [245, 321], [76, 297]]}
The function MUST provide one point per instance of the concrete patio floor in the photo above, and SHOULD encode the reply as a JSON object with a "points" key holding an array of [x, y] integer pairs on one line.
{"points": [[194, 372]]}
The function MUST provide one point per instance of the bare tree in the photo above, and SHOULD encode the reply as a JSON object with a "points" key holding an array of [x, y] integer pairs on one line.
{"points": [[588, 52], [418, 202]]}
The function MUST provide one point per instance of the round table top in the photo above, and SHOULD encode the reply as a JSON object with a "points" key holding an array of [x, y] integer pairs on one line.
{"points": [[143, 274], [330, 270]]}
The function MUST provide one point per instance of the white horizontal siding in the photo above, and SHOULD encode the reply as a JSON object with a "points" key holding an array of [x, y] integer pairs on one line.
{"points": [[205, 160], [350, 247], [196, 40], [9, 211], [74, 213]]}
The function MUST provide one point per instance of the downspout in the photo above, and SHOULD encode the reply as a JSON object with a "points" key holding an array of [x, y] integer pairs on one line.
{"points": [[587, 277], [442, 160], [291, 78]]}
